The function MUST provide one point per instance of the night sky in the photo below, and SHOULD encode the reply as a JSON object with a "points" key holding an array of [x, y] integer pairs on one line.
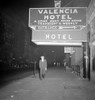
{"points": [[20, 8], [43, 3]]}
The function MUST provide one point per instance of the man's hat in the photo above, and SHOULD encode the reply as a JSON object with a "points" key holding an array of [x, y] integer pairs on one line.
{"points": [[42, 56]]}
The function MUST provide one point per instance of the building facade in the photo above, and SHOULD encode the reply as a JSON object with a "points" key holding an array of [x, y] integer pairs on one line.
{"points": [[91, 36]]}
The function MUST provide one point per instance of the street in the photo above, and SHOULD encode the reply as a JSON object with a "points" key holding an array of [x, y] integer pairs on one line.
{"points": [[57, 85]]}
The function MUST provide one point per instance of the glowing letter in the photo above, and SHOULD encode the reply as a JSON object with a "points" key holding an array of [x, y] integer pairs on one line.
{"points": [[47, 36]]}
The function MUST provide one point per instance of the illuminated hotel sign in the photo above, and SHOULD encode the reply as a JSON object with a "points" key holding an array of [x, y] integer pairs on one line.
{"points": [[56, 18], [59, 37], [68, 49]]}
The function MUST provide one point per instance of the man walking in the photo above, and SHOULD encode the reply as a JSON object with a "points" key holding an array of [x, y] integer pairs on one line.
{"points": [[42, 67]]}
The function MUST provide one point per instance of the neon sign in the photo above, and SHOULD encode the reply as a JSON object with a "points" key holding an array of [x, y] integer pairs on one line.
{"points": [[46, 18]]}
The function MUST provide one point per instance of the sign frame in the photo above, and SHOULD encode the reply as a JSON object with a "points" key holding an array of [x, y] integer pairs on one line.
{"points": [[60, 26]]}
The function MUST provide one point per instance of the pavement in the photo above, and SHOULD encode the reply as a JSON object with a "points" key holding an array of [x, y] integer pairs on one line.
{"points": [[93, 76], [57, 85]]}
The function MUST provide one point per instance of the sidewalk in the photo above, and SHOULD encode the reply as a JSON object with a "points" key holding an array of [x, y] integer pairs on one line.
{"points": [[93, 77], [58, 85]]}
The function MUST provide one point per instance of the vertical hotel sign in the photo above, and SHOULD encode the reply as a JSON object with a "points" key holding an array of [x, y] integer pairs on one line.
{"points": [[56, 18]]}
